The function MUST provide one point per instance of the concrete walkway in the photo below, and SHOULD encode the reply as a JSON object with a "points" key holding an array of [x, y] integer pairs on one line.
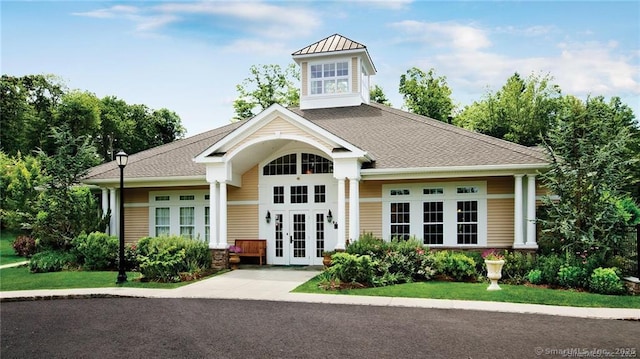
{"points": [[275, 284]]}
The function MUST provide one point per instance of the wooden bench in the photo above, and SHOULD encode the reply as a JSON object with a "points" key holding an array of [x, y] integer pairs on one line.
{"points": [[253, 248]]}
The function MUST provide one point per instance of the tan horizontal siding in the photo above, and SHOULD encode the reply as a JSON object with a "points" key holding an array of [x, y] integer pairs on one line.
{"points": [[500, 185], [242, 222], [283, 127], [136, 195], [371, 218], [500, 221], [136, 223], [249, 189]]}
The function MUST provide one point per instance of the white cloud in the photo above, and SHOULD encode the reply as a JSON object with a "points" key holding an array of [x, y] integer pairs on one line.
{"points": [[112, 12], [444, 34], [268, 20]]}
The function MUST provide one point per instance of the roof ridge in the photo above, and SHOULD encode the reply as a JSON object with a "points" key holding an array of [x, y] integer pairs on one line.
{"points": [[494, 141], [329, 45]]}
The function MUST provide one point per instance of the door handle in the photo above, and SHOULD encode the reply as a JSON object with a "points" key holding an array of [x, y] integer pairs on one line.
{"points": [[290, 239]]}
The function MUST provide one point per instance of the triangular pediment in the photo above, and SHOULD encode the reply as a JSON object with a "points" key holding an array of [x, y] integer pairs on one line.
{"points": [[276, 126]]}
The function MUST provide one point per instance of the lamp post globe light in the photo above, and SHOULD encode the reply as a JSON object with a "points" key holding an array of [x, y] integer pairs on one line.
{"points": [[121, 159]]}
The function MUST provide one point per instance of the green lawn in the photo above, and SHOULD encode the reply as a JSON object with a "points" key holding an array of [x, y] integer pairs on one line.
{"points": [[19, 278], [478, 291], [7, 254]]}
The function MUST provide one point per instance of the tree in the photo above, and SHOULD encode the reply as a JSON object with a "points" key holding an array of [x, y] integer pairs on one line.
{"points": [[28, 106], [19, 178], [425, 94], [521, 112], [65, 209], [589, 149], [376, 94], [266, 85]]}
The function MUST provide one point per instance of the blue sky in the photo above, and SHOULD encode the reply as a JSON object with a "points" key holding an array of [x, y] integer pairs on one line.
{"points": [[189, 56]]}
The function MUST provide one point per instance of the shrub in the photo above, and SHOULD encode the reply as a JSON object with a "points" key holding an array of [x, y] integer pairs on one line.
{"points": [[131, 257], [549, 266], [606, 281], [516, 267], [25, 246], [164, 258], [97, 250], [352, 268], [572, 276], [455, 265], [369, 245], [52, 261], [534, 276]]}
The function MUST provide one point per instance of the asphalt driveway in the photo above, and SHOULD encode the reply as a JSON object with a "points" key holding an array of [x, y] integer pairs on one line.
{"points": [[220, 328]]}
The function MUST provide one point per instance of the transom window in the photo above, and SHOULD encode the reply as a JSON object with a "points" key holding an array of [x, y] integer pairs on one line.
{"points": [[315, 164], [288, 165], [329, 78], [285, 165]]}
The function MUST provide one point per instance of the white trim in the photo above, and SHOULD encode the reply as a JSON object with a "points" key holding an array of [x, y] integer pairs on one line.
{"points": [[447, 172], [136, 182], [449, 197], [272, 112], [518, 211], [174, 203]]}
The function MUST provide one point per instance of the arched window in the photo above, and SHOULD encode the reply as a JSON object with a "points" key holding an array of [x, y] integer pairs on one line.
{"points": [[288, 165], [285, 165], [315, 164]]}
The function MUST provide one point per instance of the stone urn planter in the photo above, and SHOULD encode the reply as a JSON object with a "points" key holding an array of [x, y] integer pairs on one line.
{"points": [[326, 258], [494, 272], [494, 260]]}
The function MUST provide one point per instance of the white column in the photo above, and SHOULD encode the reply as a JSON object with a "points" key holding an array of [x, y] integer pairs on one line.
{"points": [[354, 209], [531, 211], [105, 205], [519, 217], [213, 215], [114, 212], [223, 216], [341, 215]]}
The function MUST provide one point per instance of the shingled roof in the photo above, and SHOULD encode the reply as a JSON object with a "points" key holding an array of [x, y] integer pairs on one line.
{"points": [[395, 138]]}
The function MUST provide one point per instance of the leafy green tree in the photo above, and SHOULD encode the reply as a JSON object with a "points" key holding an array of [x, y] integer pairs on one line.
{"points": [[28, 106], [376, 94], [425, 94], [66, 209], [589, 150], [79, 111], [19, 178], [266, 85], [521, 112]]}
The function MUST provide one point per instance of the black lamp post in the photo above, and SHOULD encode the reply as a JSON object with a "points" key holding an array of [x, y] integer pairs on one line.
{"points": [[122, 159]]}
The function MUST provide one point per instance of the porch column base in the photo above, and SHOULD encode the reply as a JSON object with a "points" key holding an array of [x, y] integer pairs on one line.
{"points": [[219, 258]]}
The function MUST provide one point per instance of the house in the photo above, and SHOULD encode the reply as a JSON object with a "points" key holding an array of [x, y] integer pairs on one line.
{"points": [[312, 178]]}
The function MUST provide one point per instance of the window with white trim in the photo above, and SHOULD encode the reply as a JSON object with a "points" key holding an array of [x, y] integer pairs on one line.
{"points": [[163, 221], [439, 214], [433, 225], [187, 221], [329, 78], [207, 224], [400, 220]]}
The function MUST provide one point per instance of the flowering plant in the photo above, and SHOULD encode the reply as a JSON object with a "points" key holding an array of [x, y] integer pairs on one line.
{"points": [[492, 255], [235, 249]]}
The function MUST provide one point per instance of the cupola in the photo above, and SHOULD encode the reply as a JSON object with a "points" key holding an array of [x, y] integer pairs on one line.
{"points": [[335, 72]]}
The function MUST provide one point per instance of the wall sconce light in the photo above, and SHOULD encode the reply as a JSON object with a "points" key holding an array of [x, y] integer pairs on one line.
{"points": [[329, 217], [268, 217]]}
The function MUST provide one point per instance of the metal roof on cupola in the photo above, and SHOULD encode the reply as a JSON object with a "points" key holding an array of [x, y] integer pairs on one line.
{"points": [[335, 44]]}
